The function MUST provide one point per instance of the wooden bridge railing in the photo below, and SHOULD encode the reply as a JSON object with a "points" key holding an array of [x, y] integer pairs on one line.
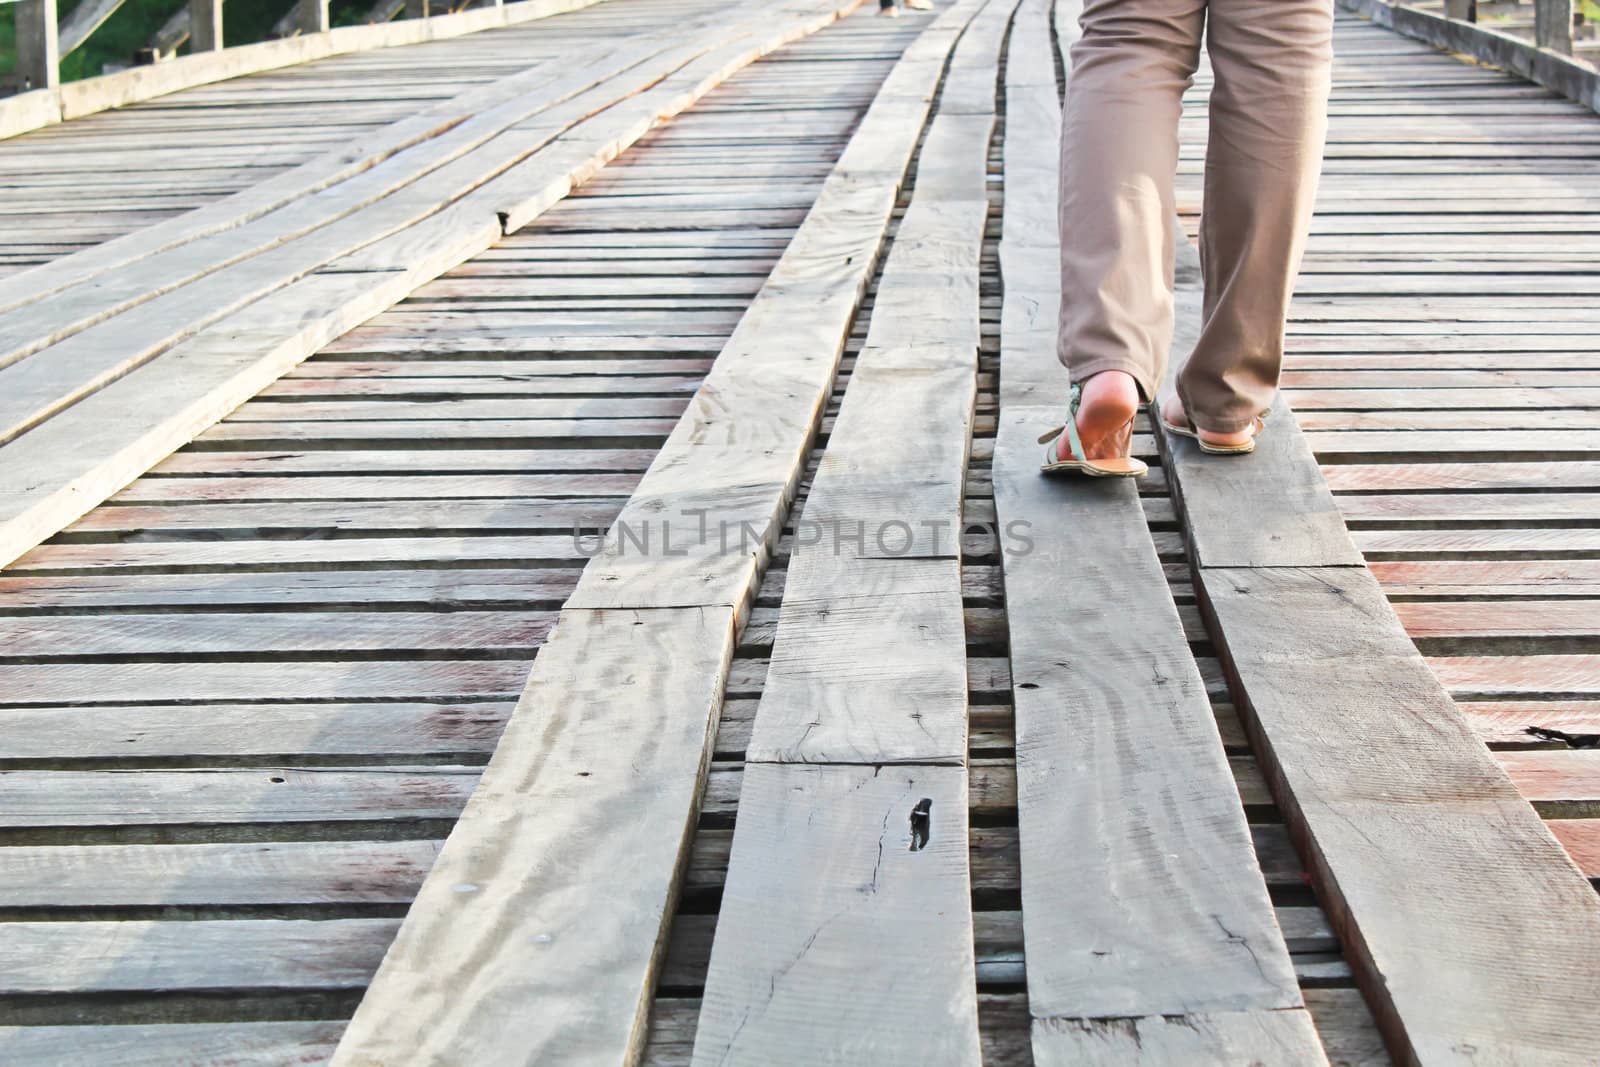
{"points": [[42, 38], [1468, 26], [44, 99], [1552, 20]]}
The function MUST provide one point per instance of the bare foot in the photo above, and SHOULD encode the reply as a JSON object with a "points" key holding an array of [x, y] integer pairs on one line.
{"points": [[1173, 412], [1105, 414]]}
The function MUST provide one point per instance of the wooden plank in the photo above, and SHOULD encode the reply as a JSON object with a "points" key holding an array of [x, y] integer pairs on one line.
{"points": [[828, 808], [212, 875], [1143, 907], [523, 855], [1253, 1037], [642, 787], [1448, 892], [199, 956], [163, 1044], [885, 854], [867, 664], [726, 472]]}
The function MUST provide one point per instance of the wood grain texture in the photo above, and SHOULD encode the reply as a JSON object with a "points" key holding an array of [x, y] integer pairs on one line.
{"points": [[511, 915], [1469, 928], [199, 956], [876, 874], [1286, 1037], [161, 1045], [866, 666]]}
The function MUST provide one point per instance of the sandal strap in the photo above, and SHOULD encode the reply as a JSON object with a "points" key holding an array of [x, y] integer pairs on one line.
{"points": [[1073, 441]]}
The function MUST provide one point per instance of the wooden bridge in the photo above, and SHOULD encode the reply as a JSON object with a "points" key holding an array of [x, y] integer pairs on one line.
{"points": [[522, 544]]}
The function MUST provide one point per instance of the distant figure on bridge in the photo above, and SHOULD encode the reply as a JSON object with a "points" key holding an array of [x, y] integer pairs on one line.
{"points": [[891, 9], [1272, 62]]}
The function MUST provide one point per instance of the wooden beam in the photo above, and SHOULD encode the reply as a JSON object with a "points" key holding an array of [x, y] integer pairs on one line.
{"points": [[84, 20], [1149, 933], [1552, 25], [205, 25], [314, 16], [38, 44], [418, 9], [164, 43]]}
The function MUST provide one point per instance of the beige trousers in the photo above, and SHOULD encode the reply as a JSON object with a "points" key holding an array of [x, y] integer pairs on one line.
{"points": [[1268, 120]]}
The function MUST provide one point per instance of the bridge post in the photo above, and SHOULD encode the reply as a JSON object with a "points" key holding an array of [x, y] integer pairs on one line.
{"points": [[1464, 10], [313, 16], [38, 46], [1552, 25], [205, 25], [417, 9]]}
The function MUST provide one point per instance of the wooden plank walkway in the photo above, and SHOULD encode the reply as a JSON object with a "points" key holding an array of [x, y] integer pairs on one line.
{"points": [[883, 798], [396, 523], [71, 186], [1480, 531]]}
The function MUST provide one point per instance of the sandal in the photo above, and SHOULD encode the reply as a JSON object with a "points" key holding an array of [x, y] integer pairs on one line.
{"points": [[1117, 467], [1215, 450]]}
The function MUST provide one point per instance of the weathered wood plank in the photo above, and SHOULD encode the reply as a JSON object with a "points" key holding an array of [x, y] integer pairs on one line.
{"points": [[1466, 923], [164, 1044], [1142, 900], [826, 809], [198, 956], [884, 851], [1253, 1037], [523, 856]]}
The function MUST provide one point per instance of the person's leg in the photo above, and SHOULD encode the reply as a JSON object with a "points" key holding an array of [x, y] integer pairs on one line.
{"points": [[1272, 61], [887, 7], [1119, 153]]}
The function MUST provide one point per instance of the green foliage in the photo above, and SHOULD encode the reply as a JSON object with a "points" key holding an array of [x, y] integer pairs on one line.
{"points": [[128, 29]]}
